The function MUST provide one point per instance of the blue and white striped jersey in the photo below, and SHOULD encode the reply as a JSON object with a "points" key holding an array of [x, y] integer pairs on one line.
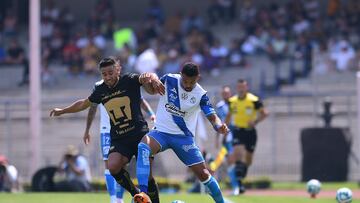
{"points": [[178, 110]]}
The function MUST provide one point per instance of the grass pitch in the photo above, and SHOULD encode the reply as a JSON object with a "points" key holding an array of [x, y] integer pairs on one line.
{"points": [[165, 198]]}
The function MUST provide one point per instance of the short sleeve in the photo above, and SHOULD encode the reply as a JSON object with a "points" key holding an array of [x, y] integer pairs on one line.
{"points": [[258, 104], [95, 96], [206, 106], [134, 78], [163, 78]]}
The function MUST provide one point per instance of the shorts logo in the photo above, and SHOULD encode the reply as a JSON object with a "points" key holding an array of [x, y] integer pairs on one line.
{"points": [[106, 150], [112, 148], [145, 157], [187, 148]]}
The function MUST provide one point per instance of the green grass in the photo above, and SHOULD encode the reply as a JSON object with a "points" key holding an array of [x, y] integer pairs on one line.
{"points": [[324, 186], [165, 198]]}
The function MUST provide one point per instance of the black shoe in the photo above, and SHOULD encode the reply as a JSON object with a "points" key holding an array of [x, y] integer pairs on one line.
{"points": [[242, 189]]}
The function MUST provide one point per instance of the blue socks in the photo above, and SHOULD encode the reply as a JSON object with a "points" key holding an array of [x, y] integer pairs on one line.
{"points": [[215, 192], [143, 166], [114, 189], [232, 176], [119, 191], [110, 185]]}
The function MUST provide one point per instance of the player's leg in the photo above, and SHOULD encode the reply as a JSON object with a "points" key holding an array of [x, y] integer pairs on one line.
{"points": [[240, 165], [146, 147], [111, 185], [239, 141], [209, 181], [151, 144], [251, 139], [119, 193], [116, 164], [190, 154], [153, 188], [230, 159]]}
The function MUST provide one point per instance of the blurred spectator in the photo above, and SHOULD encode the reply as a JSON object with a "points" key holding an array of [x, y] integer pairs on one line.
{"points": [[10, 24], [219, 51], [16, 55], [172, 64], [77, 172], [235, 57], [47, 76], [46, 29], [156, 11], [321, 60], [192, 21], [127, 59], [147, 61], [9, 180], [303, 51], [344, 58], [91, 55]]}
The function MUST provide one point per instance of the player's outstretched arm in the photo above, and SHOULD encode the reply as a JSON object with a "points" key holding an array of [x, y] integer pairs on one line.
{"points": [[89, 120], [219, 126], [147, 108], [77, 106], [152, 84]]}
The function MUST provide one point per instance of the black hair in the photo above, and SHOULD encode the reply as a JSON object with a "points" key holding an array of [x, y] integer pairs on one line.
{"points": [[190, 69], [241, 80], [108, 61]]}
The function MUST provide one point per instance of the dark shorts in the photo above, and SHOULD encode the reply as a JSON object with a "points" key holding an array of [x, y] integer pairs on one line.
{"points": [[244, 136], [126, 146]]}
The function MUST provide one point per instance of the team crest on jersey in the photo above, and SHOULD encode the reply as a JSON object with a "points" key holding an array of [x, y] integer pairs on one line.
{"points": [[184, 96], [193, 100]]}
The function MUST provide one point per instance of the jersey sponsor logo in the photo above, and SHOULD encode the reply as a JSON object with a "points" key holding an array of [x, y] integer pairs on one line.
{"points": [[187, 148], [184, 96], [112, 94], [193, 100], [174, 110]]}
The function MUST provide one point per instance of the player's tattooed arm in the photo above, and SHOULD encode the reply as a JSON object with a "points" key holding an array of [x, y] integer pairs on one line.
{"points": [[151, 83], [77, 106], [89, 120], [219, 126]]}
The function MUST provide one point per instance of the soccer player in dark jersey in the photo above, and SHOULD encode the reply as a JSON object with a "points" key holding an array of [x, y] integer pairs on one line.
{"points": [[120, 95]]}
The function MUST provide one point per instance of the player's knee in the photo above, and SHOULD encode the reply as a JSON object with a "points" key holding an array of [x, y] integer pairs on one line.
{"points": [[114, 168]]}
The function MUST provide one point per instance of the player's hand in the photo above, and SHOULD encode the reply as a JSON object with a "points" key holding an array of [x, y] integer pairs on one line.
{"points": [[56, 112], [146, 78], [252, 124], [158, 86], [153, 118], [86, 138], [223, 129]]}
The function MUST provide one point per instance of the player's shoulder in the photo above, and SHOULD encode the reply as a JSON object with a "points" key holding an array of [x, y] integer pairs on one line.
{"points": [[129, 76], [252, 97], [172, 75], [199, 90], [220, 104], [233, 98]]}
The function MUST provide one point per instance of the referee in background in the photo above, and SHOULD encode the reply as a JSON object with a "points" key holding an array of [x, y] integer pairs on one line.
{"points": [[246, 111]]}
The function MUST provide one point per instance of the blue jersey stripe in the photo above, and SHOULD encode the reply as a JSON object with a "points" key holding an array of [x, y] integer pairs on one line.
{"points": [[173, 98]]}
